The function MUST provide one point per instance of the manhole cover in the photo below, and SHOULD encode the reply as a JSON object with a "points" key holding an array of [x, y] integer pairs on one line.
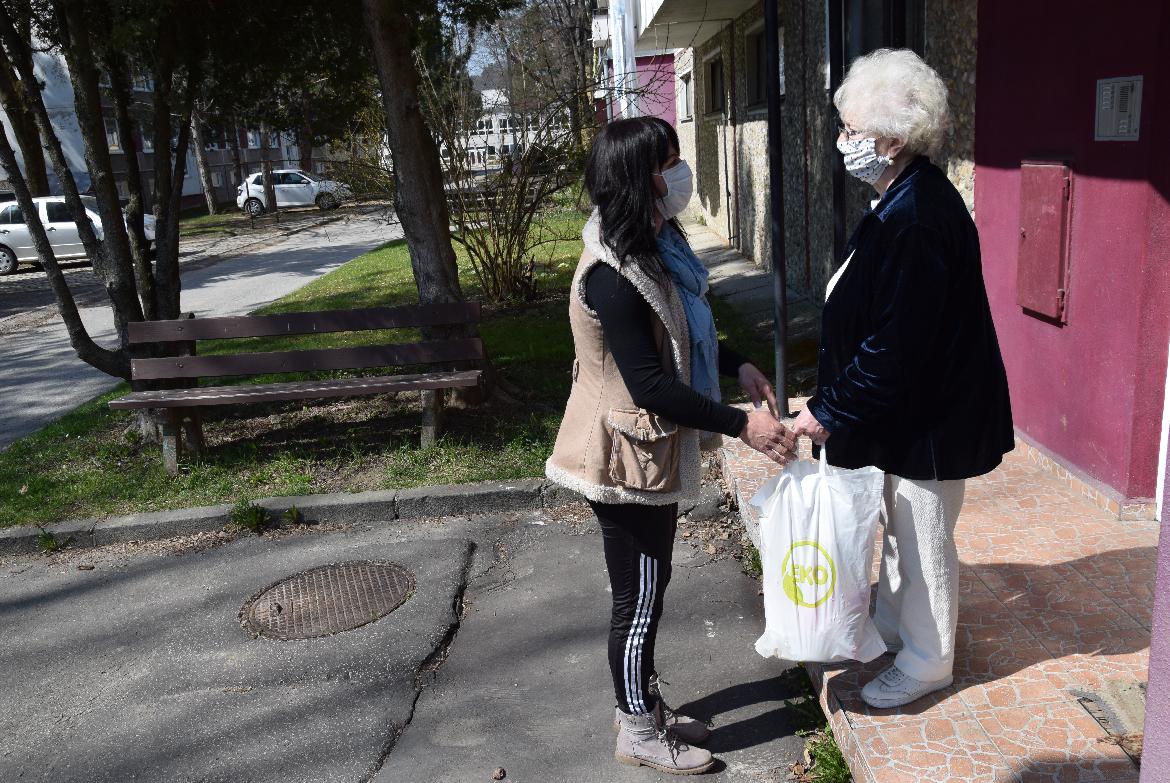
{"points": [[328, 600]]}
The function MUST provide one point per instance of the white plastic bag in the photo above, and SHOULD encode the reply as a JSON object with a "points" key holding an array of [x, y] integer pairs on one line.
{"points": [[817, 527]]}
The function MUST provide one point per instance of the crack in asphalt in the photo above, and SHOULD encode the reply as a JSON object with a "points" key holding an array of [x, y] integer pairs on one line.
{"points": [[429, 669]]}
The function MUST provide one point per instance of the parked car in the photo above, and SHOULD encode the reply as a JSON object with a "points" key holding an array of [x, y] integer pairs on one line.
{"points": [[294, 188], [16, 245]]}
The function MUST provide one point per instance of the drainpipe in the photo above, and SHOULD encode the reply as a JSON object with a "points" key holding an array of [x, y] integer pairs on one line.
{"points": [[622, 35], [733, 118], [776, 193]]}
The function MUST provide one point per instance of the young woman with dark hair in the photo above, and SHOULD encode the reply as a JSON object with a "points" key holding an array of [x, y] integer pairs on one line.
{"points": [[645, 388]]}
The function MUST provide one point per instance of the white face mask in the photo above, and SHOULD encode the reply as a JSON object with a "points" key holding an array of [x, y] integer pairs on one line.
{"points": [[862, 160], [680, 186]]}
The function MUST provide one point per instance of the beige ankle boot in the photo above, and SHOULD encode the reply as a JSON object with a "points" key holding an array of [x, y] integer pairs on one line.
{"points": [[689, 730], [647, 740]]}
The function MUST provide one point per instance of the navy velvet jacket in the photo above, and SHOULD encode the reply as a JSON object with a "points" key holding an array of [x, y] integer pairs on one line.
{"points": [[910, 377]]}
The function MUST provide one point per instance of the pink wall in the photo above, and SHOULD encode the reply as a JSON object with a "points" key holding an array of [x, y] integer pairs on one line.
{"points": [[1090, 391], [656, 77]]}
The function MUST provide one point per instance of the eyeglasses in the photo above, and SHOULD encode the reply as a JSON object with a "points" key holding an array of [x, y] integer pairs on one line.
{"points": [[844, 130]]}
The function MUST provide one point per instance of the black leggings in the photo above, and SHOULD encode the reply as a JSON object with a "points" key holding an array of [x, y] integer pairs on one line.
{"points": [[639, 541]]}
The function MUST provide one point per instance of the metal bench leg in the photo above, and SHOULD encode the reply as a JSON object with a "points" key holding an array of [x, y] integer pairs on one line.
{"points": [[193, 431], [432, 424], [172, 444]]}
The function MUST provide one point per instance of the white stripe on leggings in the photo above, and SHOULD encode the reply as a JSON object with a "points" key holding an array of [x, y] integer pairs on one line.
{"points": [[648, 579]]}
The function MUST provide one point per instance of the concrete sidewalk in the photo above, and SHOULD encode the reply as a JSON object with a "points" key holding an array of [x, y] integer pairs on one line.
{"points": [[44, 379], [129, 662], [739, 282]]}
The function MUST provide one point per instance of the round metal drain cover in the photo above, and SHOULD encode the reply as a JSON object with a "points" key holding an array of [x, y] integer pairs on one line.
{"points": [[328, 600]]}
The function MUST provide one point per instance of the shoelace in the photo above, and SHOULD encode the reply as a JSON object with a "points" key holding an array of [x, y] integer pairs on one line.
{"points": [[656, 690], [672, 741], [894, 677]]}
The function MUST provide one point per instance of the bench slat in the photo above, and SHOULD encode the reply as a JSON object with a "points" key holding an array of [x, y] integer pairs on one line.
{"points": [[323, 321], [264, 363], [298, 390]]}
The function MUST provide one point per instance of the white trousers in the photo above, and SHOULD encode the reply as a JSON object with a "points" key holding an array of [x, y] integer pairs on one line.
{"points": [[918, 592]]}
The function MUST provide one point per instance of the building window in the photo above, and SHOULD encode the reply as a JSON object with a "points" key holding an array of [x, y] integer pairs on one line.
{"points": [[123, 189], [716, 93], [484, 124], [319, 167], [147, 142], [253, 140], [142, 83], [217, 179], [686, 97], [757, 68], [112, 135]]}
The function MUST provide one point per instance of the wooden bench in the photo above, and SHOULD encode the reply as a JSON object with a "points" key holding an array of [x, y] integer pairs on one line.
{"points": [[179, 407]]}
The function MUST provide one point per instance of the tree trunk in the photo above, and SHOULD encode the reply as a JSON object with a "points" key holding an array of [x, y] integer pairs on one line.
{"points": [[419, 197], [234, 144], [305, 135], [199, 144], [114, 363], [24, 128], [270, 204], [116, 69]]}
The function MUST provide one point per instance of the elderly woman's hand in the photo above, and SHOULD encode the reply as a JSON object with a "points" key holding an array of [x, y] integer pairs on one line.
{"points": [[807, 424], [764, 433], [756, 385]]}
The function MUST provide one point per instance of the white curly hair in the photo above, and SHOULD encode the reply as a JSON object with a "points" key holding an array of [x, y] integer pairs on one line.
{"points": [[895, 94]]}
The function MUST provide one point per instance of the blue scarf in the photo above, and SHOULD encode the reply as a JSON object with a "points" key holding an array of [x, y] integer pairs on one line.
{"points": [[690, 279]]}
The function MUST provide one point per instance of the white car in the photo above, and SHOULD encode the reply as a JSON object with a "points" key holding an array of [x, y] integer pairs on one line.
{"points": [[16, 245], [294, 188]]}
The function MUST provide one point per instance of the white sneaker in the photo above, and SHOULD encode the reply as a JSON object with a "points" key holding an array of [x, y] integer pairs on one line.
{"points": [[894, 688]]}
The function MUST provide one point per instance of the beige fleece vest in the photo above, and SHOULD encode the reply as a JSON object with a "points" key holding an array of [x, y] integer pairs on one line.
{"points": [[608, 449]]}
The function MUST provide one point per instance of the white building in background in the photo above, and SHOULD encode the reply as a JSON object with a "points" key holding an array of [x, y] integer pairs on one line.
{"points": [[498, 132], [51, 69]]}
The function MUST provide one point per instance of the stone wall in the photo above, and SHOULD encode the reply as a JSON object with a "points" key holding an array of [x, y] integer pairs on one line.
{"points": [[809, 140], [713, 136], [683, 60], [730, 154], [951, 39]]}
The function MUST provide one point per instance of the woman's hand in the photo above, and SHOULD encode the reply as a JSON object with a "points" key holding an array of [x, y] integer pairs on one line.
{"points": [[807, 424], [755, 383], [769, 437]]}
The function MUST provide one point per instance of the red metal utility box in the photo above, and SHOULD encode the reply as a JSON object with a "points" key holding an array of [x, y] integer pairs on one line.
{"points": [[1042, 274]]}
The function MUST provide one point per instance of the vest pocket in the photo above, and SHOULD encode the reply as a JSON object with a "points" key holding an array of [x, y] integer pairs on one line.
{"points": [[645, 451]]}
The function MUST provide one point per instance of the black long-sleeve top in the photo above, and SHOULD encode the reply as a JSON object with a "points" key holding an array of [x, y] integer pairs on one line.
{"points": [[627, 322]]}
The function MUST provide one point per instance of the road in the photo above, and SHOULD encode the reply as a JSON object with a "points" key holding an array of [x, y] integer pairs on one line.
{"points": [[43, 378], [129, 662]]}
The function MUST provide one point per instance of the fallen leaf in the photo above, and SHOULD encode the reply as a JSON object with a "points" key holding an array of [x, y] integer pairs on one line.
{"points": [[499, 774], [711, 549], [24, 489], [686, 534], [725, 535], [84, 567]]}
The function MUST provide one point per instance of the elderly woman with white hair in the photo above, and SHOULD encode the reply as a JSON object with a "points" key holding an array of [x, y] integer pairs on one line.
{"points": [[910, 376]]}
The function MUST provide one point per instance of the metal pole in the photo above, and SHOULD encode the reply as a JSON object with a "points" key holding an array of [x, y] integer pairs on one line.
{"points": [[776, 188]]}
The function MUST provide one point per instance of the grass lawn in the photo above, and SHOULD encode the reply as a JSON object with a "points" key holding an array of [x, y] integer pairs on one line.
{"points": [[200, 224], [85, 465]]}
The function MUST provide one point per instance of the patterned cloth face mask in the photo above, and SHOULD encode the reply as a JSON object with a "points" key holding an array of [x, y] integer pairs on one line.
{"points": [[862, 160]]}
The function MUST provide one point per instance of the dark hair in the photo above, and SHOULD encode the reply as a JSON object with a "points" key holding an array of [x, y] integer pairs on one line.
{"points": [[618, 178]]}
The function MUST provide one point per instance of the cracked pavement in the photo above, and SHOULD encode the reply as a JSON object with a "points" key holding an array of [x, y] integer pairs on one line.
{"points": [[139, 670]]}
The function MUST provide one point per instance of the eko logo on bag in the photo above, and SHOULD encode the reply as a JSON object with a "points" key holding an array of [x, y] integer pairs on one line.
{"points": [[809, 576]]}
